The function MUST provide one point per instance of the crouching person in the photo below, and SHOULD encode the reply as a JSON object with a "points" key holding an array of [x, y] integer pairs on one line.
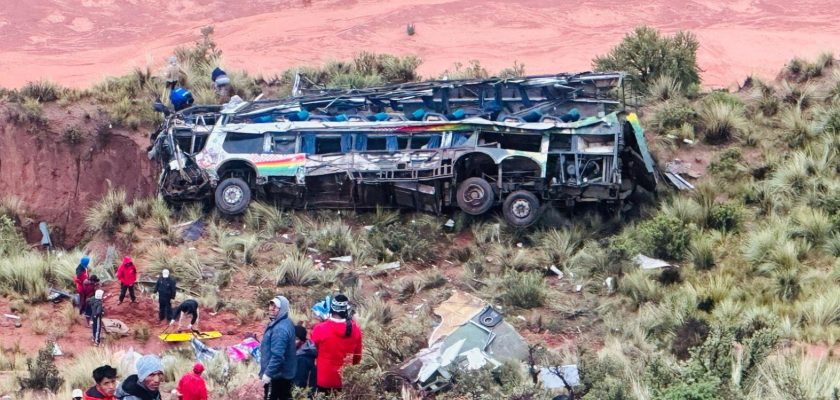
{"points": [[106, 384], [145, 384], [278, 361]]}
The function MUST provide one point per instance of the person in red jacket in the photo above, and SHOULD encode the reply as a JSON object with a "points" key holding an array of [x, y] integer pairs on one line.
{"points": [[339, 342], [192, 385], [88, 290], [127, 275], [79, 280]]}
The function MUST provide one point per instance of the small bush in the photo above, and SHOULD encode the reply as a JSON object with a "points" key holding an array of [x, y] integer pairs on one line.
{"points": [[407, 241], [638, 286], [43, 374], [725, 217], [73, 135], [409, 30], [31, 112], [727, 164], [334, 239], [690, 334], [524, 290], [796, 128], [671, 114], [41, 91], [787, 285], [665, 237], [11, 241]]}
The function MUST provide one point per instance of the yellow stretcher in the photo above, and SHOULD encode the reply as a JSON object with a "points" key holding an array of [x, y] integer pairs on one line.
{"points": [[186, 336]]}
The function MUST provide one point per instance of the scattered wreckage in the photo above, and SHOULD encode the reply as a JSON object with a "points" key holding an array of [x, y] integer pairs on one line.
{"points": [[473, 144]]}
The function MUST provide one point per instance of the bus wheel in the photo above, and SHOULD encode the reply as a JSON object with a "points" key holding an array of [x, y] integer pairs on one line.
{"points": [[521, 208], [475, 196], [233, 196]]}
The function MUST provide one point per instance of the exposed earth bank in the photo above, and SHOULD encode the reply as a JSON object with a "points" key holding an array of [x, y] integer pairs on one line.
{"points": [[58, 178]]}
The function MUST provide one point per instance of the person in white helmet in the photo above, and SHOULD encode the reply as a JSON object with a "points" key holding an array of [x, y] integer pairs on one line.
{"points": [[97, 310], [165, 287]]}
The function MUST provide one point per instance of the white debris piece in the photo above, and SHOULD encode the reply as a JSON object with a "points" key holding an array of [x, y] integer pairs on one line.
{"points": [[645, 262]]}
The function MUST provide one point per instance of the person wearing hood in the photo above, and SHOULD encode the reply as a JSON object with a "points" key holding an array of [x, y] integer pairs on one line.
{"points": [[337, 339], [106, 383], [79, 280], [97, 310], [306, 353], [127, 275], [165, 287], [145, 384], [88, 289], [192, 385], [278, 359]]}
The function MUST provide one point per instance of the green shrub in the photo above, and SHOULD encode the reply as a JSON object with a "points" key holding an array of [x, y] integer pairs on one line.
{"points": [[296, 269], [524, 289], [334, 239], [43, 374], [11, 241], [727, 164], [645, 54], [41, 91], [31, 112], [664, 87], [702, 253], [665, 237], [671, 114], [725, 217]]}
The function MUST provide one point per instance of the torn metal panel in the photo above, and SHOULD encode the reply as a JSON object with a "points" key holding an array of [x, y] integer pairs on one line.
{"points": [[471, 335], [645, 262]]}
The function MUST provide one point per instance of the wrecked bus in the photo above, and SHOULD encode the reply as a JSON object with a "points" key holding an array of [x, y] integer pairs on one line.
{"points": [[476, 145]]}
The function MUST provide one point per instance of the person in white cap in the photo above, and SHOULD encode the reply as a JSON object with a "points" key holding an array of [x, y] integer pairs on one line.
{"points": [[77, 394], [97, 310], [166, 288], [172, 73]]}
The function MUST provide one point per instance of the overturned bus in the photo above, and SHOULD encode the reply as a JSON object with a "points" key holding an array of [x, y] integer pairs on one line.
{"points": [[472, 144]]}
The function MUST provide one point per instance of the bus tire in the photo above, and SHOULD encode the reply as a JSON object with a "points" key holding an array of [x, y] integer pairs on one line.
{"points": [[233, 196], [475, 196], [521, 208]]}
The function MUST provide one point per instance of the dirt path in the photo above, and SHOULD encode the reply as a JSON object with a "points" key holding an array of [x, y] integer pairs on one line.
{"points": [[80, 41]]}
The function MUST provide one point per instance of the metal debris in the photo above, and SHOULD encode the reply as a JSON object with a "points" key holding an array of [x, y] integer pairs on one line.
{"points": [[645, 262]]}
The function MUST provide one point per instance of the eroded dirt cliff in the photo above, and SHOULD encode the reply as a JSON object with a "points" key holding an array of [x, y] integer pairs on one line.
{"points": [[63, 162]]}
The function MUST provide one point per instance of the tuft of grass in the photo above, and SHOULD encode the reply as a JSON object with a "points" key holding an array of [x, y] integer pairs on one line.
{"points": [[721, 121], [639, 287], [813, 225], [702, 253], [42, 91], [559, 245], [823, 310], [26, 275], [266, 218], [664, 87], [787, 285], [77, 373], [524, 290], [783, 376], [107, 214], [296, 269], [30, 111], [334, 238]]}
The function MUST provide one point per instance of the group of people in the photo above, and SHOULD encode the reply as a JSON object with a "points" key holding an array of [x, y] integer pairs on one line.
{"points": [[91, 296], [288, 358], [143, 385]]}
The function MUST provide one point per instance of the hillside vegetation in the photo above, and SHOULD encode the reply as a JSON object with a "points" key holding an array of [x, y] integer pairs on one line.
{"points": [[752, 310]]}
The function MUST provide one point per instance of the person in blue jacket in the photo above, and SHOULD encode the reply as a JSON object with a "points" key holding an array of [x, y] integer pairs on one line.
{"points": [[278, 361]]}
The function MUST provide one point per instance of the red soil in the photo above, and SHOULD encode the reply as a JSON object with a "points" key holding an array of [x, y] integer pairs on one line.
{"points": [[144, 312], [78, 42]]}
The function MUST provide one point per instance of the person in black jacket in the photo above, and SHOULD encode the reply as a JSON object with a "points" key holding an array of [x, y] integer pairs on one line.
{"points": [[97, 310], [187, 307], [165, 288], [306, 353]]}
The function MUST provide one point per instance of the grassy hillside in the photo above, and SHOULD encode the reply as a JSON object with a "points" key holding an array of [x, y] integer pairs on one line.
{"points": [[752, 311]]}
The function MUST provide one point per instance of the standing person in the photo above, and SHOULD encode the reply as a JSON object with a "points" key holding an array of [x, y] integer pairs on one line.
{"points": [[106, 383], [172, 73], [88, 290], [278, 361], [192, 385], [97, 310], [165, 287], [337, 339], [187, 307], [79, 280], [145, 384], [306, 353], [221, 84], [127, 275]]}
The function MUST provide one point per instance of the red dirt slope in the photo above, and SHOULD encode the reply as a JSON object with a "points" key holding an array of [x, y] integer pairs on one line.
{"points": [[78, 42]]}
